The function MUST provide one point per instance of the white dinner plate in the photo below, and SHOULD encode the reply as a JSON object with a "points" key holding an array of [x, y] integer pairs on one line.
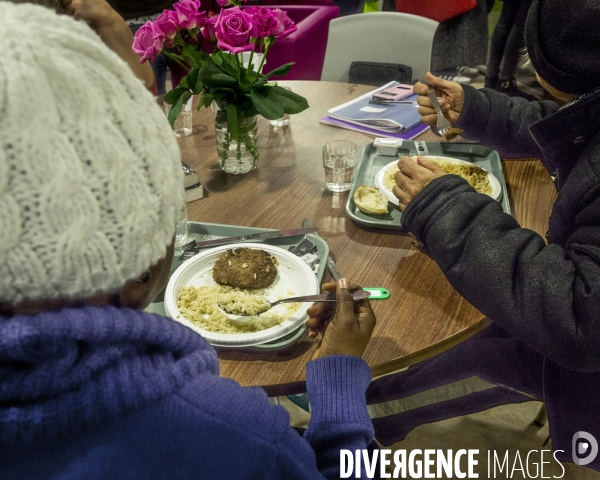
{"points": [[293, 276], [496, 187]]}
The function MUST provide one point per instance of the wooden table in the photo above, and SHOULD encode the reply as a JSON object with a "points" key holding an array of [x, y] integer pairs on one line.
{"points": [[424, 314]]}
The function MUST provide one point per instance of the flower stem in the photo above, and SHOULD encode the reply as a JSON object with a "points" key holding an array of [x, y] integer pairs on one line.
{"points": [[239, 67], [177, 59], [249, 67], [264, 57]]}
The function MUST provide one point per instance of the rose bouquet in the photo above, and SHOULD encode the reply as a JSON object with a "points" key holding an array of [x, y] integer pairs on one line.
{"points": [[223, 77]]}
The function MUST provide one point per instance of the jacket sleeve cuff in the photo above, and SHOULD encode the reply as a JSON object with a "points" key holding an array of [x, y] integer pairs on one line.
{"points": [[475, 113], [336, 387], [430, 203]]}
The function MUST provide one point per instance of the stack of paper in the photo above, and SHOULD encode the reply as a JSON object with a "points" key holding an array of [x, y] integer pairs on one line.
{"points": [[401, 120]]}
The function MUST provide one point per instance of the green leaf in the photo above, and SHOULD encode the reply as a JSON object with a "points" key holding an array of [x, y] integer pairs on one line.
{"points": [[213, 76], [280, 71], [249, 109], [230, 64], [233, 123], [226, 62], [177, 59], [292, 102], [245, 87], [176, 108], [217, 57], [206, 99], [267, 102], [223, 93], [194, 82], [174, 95], [260, 82], [192, 56]]}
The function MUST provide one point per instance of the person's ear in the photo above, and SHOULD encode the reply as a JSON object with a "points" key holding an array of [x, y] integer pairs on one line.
{"points": [[138, 293]]}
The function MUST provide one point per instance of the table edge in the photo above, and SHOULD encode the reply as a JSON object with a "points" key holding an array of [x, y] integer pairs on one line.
{"points": [[401, 363], [395, 365]]}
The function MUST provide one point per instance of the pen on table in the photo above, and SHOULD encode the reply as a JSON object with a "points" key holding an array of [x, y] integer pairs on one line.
{"points": [[392, 103]]}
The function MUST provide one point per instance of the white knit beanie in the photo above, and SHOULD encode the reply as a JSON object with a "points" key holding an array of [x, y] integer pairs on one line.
{"points": [[90, 173]]}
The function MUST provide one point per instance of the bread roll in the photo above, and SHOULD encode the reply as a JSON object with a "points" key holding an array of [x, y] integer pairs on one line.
{"points": [[370, 200]]}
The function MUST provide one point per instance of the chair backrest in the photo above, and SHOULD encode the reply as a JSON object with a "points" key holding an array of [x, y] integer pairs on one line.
{"points": [[387, 37], [306, 46]]}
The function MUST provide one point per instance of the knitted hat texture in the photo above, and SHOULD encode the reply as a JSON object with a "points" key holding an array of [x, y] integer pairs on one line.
{"points": [[90, 173], [563, 42]]}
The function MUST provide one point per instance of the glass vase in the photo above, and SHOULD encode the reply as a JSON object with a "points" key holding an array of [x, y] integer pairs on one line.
{"points": [[241, 155]]}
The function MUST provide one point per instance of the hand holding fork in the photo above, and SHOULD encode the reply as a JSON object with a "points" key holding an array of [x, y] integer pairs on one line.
{"points": [[453, 97]]}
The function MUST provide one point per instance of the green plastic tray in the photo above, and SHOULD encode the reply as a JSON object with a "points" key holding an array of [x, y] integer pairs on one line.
{"points": [[208, 231], [371, 163]]}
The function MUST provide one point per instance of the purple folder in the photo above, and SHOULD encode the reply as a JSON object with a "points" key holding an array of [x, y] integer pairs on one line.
{"points": [[406, 134]]}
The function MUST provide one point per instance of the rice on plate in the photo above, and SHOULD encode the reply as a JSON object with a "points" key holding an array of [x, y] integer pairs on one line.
{"points": [[199, 306]]}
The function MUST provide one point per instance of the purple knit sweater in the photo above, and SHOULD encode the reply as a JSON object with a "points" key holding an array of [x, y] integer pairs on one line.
{"points": [[115, 393]]}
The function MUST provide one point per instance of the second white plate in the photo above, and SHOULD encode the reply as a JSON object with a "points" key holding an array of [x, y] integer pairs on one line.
{"points": [[496, 187]]}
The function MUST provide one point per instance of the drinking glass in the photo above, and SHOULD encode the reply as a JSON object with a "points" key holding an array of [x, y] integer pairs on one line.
{"points": [[339, 160], [183, 123], [181, 230], [283, 121]]}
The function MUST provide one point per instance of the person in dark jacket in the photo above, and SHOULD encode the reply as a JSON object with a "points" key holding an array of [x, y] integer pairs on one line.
{"points": [[544, 298], [91, 386], [506, 45]]}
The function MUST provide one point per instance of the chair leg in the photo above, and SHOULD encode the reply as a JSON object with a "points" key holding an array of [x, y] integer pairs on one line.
{"points": [[542, 417]]}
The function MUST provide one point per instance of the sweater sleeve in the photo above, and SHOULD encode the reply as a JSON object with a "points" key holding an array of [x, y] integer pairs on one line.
{"points": [[544, 295], [336, 388], [502, 122]]}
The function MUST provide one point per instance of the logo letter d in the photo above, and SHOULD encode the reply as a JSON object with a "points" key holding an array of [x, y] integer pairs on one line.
{"points": [[588, 447]]}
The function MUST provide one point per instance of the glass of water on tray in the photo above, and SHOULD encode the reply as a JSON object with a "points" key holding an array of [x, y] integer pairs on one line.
{"points": [[339, 160], [181, 230]]}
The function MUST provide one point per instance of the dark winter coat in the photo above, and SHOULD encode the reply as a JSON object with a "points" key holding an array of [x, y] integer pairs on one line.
{"points": [[545, 295]]}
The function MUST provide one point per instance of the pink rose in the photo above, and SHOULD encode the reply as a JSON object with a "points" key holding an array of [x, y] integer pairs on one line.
{"points": [[286, 25], [209, 29], [223, 3], [266, 22], [166, 24], [234, 28], [187, 14], [148, 42]]}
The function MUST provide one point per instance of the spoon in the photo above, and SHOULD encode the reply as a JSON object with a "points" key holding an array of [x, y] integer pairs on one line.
{"points": [[266, 305]]}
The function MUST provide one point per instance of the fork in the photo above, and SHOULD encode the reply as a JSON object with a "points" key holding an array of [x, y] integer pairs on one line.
{"points": [[322, 297], [443, 124]]}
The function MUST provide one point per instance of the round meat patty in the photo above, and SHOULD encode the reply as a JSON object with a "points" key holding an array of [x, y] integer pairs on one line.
{"points": [[245, 268]]}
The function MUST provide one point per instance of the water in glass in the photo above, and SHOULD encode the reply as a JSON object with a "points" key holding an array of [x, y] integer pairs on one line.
{"points": [[338, 172], [281, 122], [181, 230], [339, 159]]}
